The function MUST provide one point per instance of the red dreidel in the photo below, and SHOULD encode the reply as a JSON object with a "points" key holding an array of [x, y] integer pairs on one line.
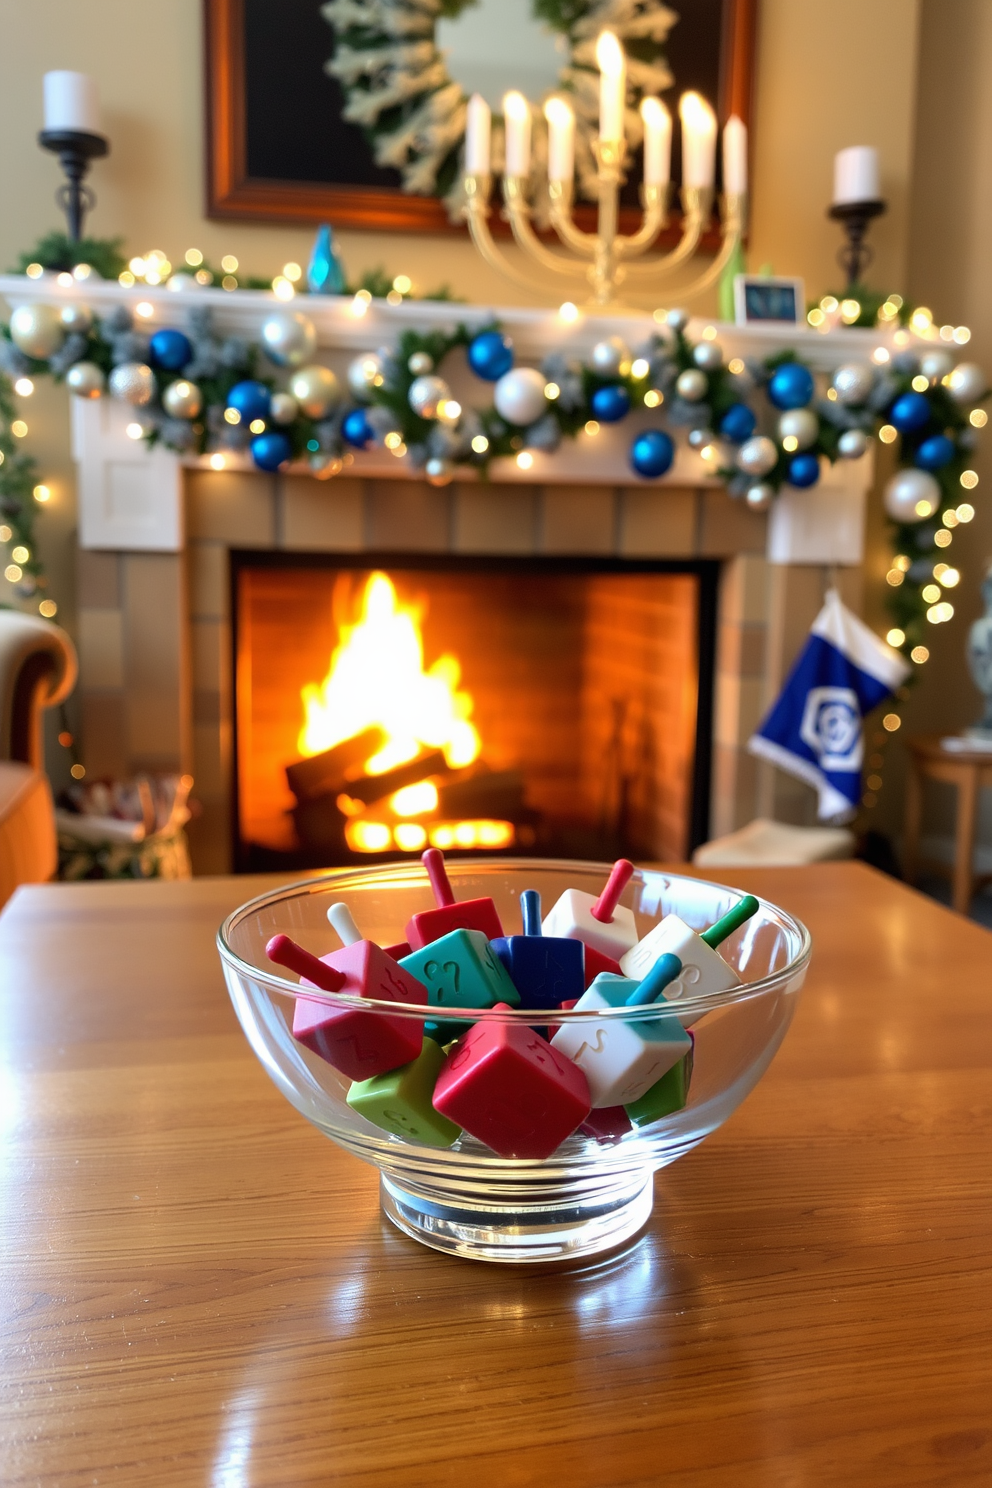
{"points": [[343, 921], [603, 924], [505, 1085], [596, 964], [450, 914], [359, 1044]]}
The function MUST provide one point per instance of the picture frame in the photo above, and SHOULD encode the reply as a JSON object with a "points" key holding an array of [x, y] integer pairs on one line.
{"points": [[237, 191], [761, 299]]}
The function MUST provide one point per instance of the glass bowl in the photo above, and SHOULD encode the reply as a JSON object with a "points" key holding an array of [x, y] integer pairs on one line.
{"points": [[595, 1191]]}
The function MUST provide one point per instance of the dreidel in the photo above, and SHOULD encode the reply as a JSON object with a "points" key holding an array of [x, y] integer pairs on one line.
{"points": [[401, 1101], [460, 970], [450, 914], [604, 924], [360, 1044], [343, 922], [546, 970], [670, 1094], [703, 969]]}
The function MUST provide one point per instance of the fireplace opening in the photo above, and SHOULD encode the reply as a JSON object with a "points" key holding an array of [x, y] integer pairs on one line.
{"points": [[386, 703]]}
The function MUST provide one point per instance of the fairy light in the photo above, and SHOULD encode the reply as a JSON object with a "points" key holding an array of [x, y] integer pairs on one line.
{"points": [[20, 554], [891, 722], [735, 366], [257, 426], [64, 279], [203, 276], [392, 440], [19, 429], [930, 593], [894, 577], [880, 355], [126, 278], [919, 654], [709, 333], [978, 418], [653, 397], [42, 494], [964, 512], [570, 313], [361, 302], [950, 519], [24, 387], [949, 577], [816, 317], [552, 391], [947, 333], [34, 271], [943, 538], [292, 272], [969, 479], [920, 383], [896, 637], [232, 416], [525, 459], [790, 443], [402, 284], [229, 263], [145, 309], [134, 431], [849, 311], [902, 562], [13, 573], [480, 444], [592, 427], [640, 367], [888, 434], [229, 282], [217, 462], [48, 608], [77, 771], [282, 288], [194, 257], [829, 303], [962, 335]]}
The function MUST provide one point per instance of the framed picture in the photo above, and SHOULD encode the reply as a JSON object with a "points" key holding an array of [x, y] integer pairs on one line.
{"points": [[352, 111], [760, 298]]}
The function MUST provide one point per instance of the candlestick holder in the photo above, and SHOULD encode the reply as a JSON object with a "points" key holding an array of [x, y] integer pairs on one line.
{"points": [[855, 256], [75, 149]]}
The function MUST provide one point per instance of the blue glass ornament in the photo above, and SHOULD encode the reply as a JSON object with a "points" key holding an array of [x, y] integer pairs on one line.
{"points": [[490, 355], [738, 423], [790, 386], [170, 349], [270, 450], [325, 271], [652, 453], [804, 470], [610, 404], [936, 452], [910, 412], [251, 399], [357, 430]]}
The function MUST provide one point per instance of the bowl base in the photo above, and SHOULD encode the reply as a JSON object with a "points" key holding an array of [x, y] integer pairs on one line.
{"points": [[548, 1231]]}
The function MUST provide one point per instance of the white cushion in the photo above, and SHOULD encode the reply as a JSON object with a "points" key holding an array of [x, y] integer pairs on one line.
{"points": [[771, 844]]}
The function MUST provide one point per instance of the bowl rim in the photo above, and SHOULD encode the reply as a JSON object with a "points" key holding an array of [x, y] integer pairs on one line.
{"points": [[412, 871]]}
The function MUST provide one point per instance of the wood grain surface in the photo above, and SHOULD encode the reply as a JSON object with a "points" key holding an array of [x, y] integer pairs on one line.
{"points": [[198, 1287]]}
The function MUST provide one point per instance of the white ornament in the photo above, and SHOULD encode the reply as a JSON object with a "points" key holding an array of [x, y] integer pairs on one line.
{"points": [[37, 330], [966, 383], [677, 319], [692, 385], [852, 444], [800, 424], [283, 408], [708, 355], [936, 364], [365, 373], [86, 380], [426, 394], [316, 390], [912, 496], [620, 1060], [133, 382], [289, 339], [180, 282], [438, 472], [76, 317], [700, 438], [760, 496], [608, 357], [420, 363], [757, 455], [853, 382], [519, 396], [182, 399]]}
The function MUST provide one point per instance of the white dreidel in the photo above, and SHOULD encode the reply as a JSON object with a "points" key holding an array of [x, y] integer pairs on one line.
{"points": [[603, 924], [621, 1061], [703, 969]]}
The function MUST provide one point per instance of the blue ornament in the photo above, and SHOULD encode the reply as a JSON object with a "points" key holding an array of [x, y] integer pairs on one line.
{"points": [[171, 350], [270, 450], [490, 355], [738, 423], [936, 452], [652, 453], [804, 470], [791, 386], [910, 412], [610, 404], [325, 271], [357, 430], [251, 399]]}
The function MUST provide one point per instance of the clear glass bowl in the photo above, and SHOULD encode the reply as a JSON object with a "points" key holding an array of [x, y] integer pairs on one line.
{"points": [[590, 1195]]}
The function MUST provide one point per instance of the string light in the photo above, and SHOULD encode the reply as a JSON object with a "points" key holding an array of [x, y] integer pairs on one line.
{"points": [[829, 303], [570, 313], [592, 427], [20, 554], [126, 278], [480, 444], [257, 426], [24, 387], [891, 722], [964, 512], [888, 434], [895, 577], [950, 519], [790, 443], [896, 637], [229, 282], [920, 383], [525, 459], [920, 654], [292, 272], [930, 593], [217, 462], [962, 335], [232, 416], [880, 355], [949, 577], [969, 479], [943, 538], [48, 608], [145, 309], [653, 397], [735, 366], [5, 533], [194, 257], [41, 494], [402, 284], [361, 302], [19, 429], [849, 311], [552, 391], [134, 431], [13, 573], [282, 288], [34, 271], [77, 771], [816, 317], [640, 368], [229, 263], [978, 418]]}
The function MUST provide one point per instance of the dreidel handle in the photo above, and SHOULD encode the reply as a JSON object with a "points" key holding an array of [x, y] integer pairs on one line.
{"points": [[530, 911], [286, 952], [608, 900], [433, 861], [665, 970], [343, 921], [731, 921]]}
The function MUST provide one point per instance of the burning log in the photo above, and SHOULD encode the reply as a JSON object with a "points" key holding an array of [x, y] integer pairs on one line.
{"points": [[482, 793], [328, 773], [370, 788]]}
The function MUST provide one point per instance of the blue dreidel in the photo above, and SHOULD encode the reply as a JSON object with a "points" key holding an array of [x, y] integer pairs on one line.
{"points": [[546, 970]]}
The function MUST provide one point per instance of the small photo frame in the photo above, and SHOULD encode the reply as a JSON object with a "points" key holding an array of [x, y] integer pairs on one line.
{"points": [[759, 298]]}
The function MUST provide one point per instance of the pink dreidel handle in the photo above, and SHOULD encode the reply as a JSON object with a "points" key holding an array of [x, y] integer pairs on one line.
{"points": [[608, 900], [433, 861], [286, 952]]}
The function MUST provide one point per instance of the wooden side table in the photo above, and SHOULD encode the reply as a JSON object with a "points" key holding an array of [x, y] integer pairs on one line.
{"points": [[968, 770]]}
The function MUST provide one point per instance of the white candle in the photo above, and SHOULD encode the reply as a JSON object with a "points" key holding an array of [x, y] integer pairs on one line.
{"points": [[561, 140], [734, 156], [516, 111], [657, 142], [478, 124], [71, 102], [856, 175], [698, 140], [612, 86]]}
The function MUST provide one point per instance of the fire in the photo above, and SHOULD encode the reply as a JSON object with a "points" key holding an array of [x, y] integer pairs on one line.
{"points": [[377, 676]]}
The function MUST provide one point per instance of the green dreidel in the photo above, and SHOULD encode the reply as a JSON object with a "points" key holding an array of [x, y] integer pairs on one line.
{"points": [[401, 1100], [667, 1095], [461, 970]]}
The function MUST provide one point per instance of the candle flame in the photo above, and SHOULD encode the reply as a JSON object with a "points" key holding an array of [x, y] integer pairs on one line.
{"points": [[696, 113], [654, 113], [609, 54], [558, 113], [515, 105]]}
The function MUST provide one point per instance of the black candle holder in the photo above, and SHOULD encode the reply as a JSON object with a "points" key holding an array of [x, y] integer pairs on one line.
{"points": [[855, 256], [75, 149]]}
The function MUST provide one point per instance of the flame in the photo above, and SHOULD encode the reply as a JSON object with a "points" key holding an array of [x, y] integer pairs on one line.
{"points": [[377, 676]]}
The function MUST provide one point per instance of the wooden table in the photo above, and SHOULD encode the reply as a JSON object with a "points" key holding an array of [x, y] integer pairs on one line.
{"points": [[967, 770], [198, 1288]]}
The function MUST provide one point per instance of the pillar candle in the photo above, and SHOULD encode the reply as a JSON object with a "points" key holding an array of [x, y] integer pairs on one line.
{"points": [[856, 175], [71, 102], [516, 111], [477, 130], [657, 142], [561, 140], [698, 140], [734, 156], [612, 86]]}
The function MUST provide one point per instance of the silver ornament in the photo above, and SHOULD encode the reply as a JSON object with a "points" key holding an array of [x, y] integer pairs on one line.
{"points": [[283, 408], [692, 385], [182, 399], [853, 382], [438, 472], [316, 390], [426, 394], [519, 396], [76, 317], [420, 363], [609, 356], [852, 444], [86, 380], [911, 496], [365, 373], [966, 383], [708, 355], [134, 383], [37, 330], [677, 319], [759, 497], [700, 438], [936, 364], [757, 455], [800, 424], [324, 466], [289, 339]]}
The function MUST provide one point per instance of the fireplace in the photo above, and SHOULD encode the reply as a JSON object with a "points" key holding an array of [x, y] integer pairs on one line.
{"points": [[566, 702]]}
